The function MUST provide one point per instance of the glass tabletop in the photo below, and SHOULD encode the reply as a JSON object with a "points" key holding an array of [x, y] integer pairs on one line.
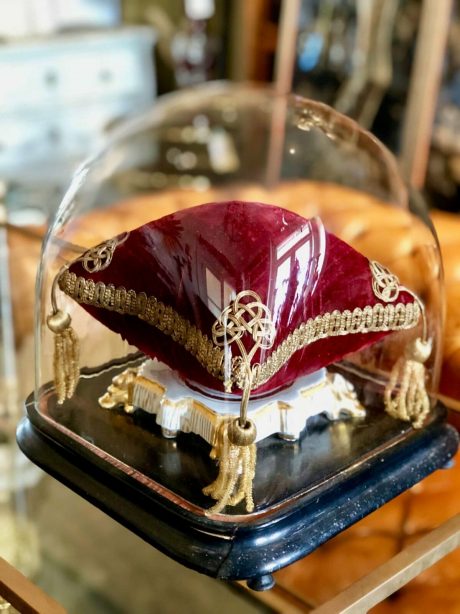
{"points": [[89, 563], [76, 553]]}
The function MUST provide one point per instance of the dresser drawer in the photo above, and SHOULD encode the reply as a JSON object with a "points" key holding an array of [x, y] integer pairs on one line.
{"points": [[74, 132], [58, 95], [73, 69]]}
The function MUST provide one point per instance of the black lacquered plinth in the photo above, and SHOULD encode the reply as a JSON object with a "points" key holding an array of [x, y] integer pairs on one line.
{"points": [[305, 492]]}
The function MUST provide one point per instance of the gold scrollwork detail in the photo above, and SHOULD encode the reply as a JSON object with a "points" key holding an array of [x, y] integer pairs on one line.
{"points": [[120, 391], [385, 284], [99, 258]]}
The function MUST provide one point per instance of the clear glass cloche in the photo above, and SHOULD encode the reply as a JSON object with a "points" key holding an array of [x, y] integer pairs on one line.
{"points": [[236, 273]]}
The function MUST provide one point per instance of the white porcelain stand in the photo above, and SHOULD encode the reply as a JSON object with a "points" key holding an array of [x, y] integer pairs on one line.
{"points": [[158, 390]]}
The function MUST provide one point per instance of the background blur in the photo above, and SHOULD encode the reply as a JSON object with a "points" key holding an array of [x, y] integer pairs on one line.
{"points": [[72, 70]]}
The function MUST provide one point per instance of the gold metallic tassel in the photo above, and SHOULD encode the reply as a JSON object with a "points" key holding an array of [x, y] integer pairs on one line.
{"points": [[405, 394], [66, 343], [246, 314], [66, 355], [237, 467], [66, 347]]}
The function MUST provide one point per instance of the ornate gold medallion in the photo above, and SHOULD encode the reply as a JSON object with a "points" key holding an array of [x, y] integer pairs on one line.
{"points": [[99, 258]]}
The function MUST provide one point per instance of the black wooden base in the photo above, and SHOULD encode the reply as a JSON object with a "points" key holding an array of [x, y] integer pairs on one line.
{"points": [[305, 493]]}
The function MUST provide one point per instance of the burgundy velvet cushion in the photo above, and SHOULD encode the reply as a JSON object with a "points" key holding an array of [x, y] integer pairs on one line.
{"points": [[197, 259]]}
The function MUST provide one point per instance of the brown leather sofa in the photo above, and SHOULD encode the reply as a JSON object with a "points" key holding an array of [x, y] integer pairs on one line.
{"points": [[380, 232], [375, 230]]}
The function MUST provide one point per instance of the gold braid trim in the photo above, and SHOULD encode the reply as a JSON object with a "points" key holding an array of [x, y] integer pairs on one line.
{"points": [[379, 318], [149, 309]]}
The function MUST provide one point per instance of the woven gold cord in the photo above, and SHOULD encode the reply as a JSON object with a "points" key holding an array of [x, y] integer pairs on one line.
{"points": [[237, 467], [405, 394]]}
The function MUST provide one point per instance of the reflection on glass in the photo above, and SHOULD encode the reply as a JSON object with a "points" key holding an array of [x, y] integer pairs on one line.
{"points": [[326, 180]]}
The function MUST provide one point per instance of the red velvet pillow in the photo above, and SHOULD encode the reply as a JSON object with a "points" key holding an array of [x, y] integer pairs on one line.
{"points": [[164, 285]]}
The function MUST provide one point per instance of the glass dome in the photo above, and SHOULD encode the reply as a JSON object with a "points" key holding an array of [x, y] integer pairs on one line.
{"points": [[341, 222]]}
